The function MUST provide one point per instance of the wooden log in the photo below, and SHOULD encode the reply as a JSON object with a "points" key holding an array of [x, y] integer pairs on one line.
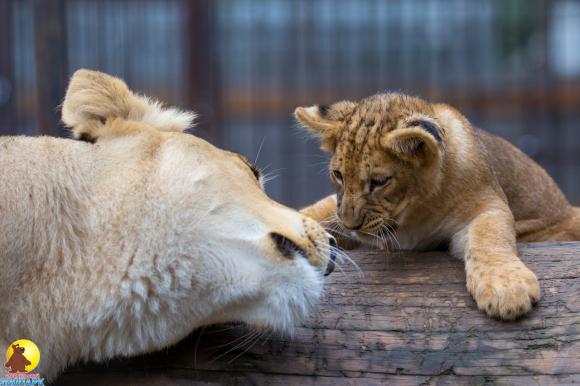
{"points": [[405, 320]]}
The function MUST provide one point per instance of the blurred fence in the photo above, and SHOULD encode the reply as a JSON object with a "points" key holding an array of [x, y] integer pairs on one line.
{"points": [[513, 67]]}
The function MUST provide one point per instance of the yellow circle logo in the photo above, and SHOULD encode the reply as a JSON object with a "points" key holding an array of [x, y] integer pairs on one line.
{"points": [[22, 356]]}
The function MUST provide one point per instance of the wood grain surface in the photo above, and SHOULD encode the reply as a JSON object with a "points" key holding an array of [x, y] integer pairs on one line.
{"points": [[405, 319]]}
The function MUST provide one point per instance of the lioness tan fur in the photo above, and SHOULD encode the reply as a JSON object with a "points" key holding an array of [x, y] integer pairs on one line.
{"points": [[127, 244], [420, 176]]}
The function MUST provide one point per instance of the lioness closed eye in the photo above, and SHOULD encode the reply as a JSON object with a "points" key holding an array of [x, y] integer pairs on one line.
{"points": [[402, 166], [125, 242]]}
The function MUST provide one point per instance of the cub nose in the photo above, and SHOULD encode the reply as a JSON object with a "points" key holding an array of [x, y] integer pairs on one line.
{"points": [[352, 223], [331, 264], [352, 226]]}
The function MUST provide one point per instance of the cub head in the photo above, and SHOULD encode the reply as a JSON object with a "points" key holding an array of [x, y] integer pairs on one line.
{"points": [[230, 253], [387, 157]]}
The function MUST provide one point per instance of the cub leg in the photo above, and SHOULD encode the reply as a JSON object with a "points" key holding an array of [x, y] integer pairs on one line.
{"points": [[546, 230], [567, 230], [324, 211], [498, 280]]}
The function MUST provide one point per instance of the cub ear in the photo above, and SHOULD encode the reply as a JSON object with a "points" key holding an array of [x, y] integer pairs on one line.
{"points": [[419, 143], [324, 121], [92, 97]]}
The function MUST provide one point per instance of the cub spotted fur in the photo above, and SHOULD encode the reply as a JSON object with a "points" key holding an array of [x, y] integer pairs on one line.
{"points": [[403, 166]]}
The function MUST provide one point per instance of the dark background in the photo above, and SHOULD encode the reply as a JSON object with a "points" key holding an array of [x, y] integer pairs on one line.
{"points": [[513, 67]]}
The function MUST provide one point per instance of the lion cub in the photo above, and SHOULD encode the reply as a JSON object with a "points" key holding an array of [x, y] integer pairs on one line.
{"points": [[421, 171]]}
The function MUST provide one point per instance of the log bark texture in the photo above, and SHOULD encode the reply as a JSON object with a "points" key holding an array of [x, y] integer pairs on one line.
{"points": [[407, 319]]}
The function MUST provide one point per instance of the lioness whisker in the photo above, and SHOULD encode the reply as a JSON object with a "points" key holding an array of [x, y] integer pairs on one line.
{"points": [[265, 168], [269, 178], [251, 344], [259, 150], [267, 337], [246, 338], [228, 343], [196, 346], [222, 330], [341, 255], [241, 345]]}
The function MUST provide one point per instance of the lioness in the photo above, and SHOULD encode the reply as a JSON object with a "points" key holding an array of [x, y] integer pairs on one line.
{"points": [[403, 166], [127, 244]]}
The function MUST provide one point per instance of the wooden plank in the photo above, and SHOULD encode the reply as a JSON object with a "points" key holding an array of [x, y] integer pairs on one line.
{"points": [[51, 64], [407, 320], [173, 377]]}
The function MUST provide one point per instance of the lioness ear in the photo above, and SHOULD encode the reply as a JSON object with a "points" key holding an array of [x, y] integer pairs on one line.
{"points": [[419, 142], [324, 121], [92, 97]]}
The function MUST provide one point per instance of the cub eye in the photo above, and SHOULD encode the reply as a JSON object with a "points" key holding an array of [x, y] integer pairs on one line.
{"points": [[379, 182], [337, 175]]}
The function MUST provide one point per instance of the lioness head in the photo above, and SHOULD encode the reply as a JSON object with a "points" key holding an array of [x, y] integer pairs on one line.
{"points": [[231, 253], [387, 153]]}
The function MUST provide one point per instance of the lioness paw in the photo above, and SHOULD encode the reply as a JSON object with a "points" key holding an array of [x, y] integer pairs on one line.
{"points": [[505, 291]]}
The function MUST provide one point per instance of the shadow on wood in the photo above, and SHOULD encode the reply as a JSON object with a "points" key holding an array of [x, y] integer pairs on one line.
{"points": [[408, 320]]}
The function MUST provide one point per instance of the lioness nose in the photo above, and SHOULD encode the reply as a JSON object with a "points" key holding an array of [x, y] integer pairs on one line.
{"points": [[286, 246], [331, 264]]}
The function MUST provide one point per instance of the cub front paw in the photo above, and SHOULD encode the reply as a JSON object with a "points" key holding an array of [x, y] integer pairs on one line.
{"points": [[506, 291]]}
